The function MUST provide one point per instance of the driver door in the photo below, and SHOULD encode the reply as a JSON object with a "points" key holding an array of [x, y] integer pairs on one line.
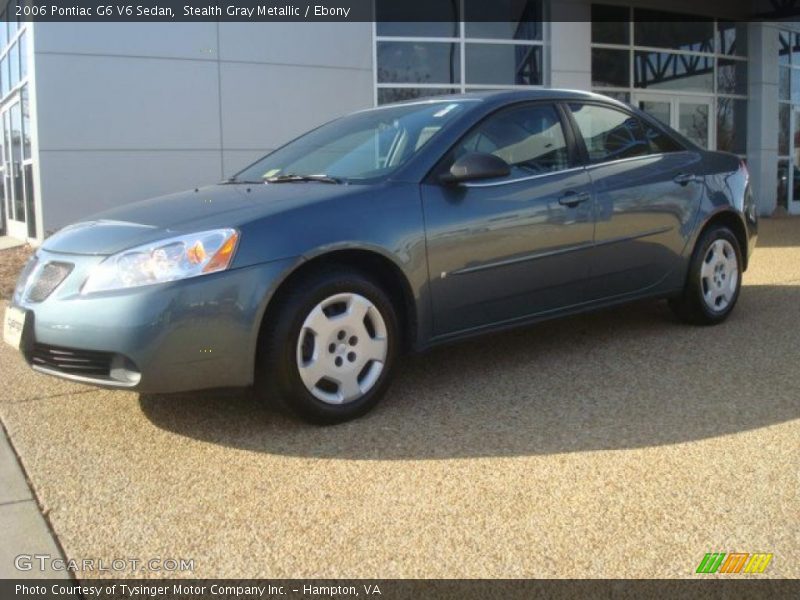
{"points": [[509, 248]]}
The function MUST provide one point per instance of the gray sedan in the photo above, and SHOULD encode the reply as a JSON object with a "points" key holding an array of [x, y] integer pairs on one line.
{"points": [[388, 230]]}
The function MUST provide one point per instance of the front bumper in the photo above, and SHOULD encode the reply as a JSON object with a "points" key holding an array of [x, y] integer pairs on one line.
{"points": [[179, 336]]}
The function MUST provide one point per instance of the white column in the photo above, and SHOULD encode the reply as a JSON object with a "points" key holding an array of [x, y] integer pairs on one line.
{"points": [[762, 114], [570, 44]]}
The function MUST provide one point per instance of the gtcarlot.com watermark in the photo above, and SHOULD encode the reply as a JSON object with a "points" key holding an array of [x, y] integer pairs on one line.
{"points": [[46, 562]]}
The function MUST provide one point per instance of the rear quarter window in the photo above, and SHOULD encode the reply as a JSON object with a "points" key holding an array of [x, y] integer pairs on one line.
{"points": [[612, 134]]}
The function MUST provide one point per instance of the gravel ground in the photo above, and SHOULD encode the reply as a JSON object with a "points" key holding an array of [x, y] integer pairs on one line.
{"points": [[11, 263], [618, 444]]}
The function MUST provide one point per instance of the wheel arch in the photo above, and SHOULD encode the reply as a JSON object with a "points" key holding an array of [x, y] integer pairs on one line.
{"points": [[372, 263], [732, 221]]}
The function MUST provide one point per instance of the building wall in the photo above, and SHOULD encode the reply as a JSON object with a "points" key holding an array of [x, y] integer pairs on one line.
{"points": [[127, 111]]}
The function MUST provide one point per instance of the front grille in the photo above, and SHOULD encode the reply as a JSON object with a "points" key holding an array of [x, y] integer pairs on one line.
{"points": [[47, 278], [86, 363]]}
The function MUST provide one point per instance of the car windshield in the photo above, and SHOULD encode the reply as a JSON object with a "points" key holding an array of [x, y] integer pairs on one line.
{"points": [[363, 146]]}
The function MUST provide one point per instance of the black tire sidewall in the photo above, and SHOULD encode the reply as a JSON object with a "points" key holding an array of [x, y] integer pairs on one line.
{"points": [[283, 376]]}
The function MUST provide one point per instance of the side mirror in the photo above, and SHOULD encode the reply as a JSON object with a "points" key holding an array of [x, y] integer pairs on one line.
{"points": [[476, 165]]}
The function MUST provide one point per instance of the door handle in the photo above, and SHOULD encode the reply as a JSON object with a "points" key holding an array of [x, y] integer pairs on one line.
{"points": [[572, 198], [684, 178]]}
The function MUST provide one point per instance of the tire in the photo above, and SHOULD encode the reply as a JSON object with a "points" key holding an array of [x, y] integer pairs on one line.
{"points": [[314, 334], [714, 279]]}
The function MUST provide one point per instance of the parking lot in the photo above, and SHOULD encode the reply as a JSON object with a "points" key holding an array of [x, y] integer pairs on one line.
{"points": [[617, 444]]}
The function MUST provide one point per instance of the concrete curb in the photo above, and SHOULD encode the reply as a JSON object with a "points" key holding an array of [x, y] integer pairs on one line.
{"points": [[25, 530]]}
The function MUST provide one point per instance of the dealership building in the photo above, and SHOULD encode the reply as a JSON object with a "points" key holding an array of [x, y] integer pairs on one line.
{"points": [[94, 115]]}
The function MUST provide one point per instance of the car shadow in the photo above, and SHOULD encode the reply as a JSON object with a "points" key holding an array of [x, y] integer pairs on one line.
{"points": [[630, 377]]}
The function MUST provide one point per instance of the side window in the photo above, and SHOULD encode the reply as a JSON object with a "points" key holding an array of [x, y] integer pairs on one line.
{"points": [[610, 134], [659, 142], [529, 138]]}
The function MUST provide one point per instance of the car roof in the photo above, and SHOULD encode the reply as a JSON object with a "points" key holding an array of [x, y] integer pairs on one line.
{"points": [[501, 96]]}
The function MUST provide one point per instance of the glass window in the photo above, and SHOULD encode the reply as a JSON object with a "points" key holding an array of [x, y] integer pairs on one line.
{"points": [[16, 167], [621, 96], [23, 55], [13, 64], [3, 31], [389, 95], [503, 64], [658, 109], [611, 68], [796, 86], [732, 125], [674, 72], [796, 141], [29, 200], [609, 134], [784, 76], [783, 183], [610, 24], [796, 49], [693, 122], [732, 38], [433, 18], [783, 129], [503, 19], [659, 141], [731, 76], [529, 138], [4, 71], [26, 123], [784, 47], [672, 30], [418, 62], [367, 145]]}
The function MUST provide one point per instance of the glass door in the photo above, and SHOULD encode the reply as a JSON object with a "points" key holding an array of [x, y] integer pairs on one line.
{"points": [[694, 120], [12, 170], [793, 174], [692, 116], [659, 108]]}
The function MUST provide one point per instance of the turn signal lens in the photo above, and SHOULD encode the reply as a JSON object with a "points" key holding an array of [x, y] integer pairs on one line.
{"points": [[223, 257]]}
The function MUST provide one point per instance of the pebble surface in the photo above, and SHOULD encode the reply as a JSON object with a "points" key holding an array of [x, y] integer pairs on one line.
{"points": [[617, 444]]}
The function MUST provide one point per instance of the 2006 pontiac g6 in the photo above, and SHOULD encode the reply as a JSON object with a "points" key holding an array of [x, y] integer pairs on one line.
{"points": [[387, 230]]}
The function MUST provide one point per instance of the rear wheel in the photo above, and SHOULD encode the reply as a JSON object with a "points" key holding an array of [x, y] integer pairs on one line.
{"points": [[715, 278], [329, 348]]}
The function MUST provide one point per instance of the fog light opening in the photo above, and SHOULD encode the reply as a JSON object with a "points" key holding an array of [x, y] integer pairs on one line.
{"points": [[124, 370]]}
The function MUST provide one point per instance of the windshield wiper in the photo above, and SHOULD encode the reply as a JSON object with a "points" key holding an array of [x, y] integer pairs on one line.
{"points": [[244, 181], [292, 177]]}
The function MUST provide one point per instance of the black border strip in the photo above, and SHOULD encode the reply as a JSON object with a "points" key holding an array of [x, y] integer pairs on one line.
{"points": [[349, 10]]}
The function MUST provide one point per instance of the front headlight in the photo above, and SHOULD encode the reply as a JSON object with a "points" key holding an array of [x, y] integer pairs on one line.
{"points": [[175, 258]]}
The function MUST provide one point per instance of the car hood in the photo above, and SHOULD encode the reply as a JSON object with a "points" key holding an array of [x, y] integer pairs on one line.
{"points": [[222, 205]]}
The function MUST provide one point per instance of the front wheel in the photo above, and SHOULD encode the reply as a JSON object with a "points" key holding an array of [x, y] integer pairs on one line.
{"points": [[330, 347], [714, 280]]}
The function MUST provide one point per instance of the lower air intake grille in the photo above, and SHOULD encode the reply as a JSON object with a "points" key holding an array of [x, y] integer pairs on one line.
{"points": [[72, 362]]}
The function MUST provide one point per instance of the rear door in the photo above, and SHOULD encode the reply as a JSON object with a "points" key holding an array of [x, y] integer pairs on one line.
{"points": [[647, 190], [512, 247]]}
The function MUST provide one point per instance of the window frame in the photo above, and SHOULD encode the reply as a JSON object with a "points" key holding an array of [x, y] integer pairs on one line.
{"points": [[574, 158], [643, 117], [461, 39]]}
